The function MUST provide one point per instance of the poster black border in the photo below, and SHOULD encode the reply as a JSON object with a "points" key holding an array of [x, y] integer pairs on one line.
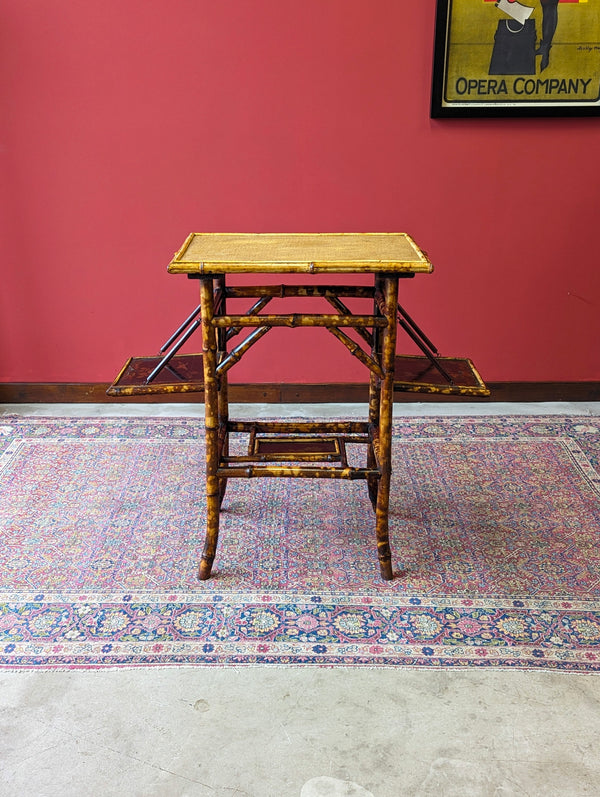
{"points": [[493, 110]]}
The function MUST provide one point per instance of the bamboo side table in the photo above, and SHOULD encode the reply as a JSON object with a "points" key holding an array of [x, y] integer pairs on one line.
{"points": [[299, 449]]}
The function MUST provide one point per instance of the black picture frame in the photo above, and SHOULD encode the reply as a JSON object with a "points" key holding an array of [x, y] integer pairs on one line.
{"points": [[472, 49]]}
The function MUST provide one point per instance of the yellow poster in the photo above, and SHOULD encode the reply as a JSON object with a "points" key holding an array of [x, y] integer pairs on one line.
{"points": [[506, 57]]}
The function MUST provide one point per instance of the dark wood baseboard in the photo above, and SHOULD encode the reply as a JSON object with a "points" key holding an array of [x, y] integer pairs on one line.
{"points": [[95, 392]]}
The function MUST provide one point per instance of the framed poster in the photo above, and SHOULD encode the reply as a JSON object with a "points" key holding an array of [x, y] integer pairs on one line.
{"points": [[512, 58]]}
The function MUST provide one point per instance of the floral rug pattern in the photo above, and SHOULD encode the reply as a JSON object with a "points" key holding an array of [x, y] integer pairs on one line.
{"points": [[494, 524]]}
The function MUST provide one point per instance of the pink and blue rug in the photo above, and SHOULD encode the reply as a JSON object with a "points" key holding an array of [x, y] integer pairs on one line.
{"points": [[495, 527]]}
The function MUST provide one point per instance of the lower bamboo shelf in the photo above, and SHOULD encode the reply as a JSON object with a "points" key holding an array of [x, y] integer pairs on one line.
{"points": [[293, 448], [299, 449]]}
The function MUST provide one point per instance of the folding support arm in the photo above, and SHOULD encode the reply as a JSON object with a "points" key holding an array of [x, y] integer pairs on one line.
{"points": [[418, 336]]}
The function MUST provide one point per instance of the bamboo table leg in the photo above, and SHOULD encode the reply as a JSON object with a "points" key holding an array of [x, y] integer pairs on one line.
{"points": [[390, 302], [374, 393], [374, 399], [222, 395], [211, 413]]}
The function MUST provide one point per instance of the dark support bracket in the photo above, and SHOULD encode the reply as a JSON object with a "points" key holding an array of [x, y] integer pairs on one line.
{"points": [[189, 326], [420, 338]]}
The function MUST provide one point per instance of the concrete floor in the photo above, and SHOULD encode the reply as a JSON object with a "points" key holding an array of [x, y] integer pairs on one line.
{"points": [[299, 732]]}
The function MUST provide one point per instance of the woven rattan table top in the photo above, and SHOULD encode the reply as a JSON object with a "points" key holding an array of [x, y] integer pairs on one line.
{"points": [[231, 253]]}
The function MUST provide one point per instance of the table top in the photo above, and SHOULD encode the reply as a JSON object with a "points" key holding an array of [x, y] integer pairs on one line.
{"points": [[237, 253]]}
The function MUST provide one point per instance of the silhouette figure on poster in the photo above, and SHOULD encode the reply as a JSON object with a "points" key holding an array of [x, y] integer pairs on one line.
{"points": [[514, 48], [514, 51]]}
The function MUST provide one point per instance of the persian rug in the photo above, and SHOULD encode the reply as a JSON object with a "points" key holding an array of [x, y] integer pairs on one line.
{"points": [[495, 525]]}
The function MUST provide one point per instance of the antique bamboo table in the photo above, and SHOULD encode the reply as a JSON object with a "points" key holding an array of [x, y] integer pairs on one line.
{"points": [[300, 449]]}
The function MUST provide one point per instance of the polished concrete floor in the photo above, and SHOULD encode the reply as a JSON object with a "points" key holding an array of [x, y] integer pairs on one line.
{"points": [[299, 732]]}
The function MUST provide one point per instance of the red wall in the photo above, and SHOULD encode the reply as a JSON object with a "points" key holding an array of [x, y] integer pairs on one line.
{"points": [[126, 124]]}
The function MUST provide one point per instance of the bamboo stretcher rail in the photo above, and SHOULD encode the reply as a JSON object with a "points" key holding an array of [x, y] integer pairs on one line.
{"points": [[352, 439], [310, 291], [298, 320], [301, 427], [306, 472]]}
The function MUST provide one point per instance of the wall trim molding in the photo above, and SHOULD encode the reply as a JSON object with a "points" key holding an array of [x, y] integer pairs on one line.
{"points": [[287, 393]]}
